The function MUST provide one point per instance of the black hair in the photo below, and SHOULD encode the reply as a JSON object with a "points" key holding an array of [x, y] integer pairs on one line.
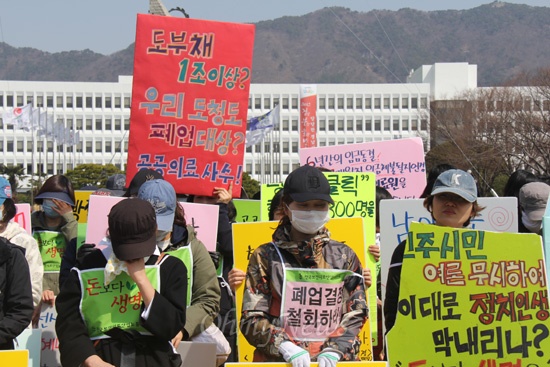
{"points": [[381, 194], [432, 176], [57, 183], [275, 204], [9, 210], [516, 181]]}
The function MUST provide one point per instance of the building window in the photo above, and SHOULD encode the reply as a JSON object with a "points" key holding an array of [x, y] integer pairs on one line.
{"points": [[69, 100], [89, 102], [395, 124], [275, 101], [98, 148], [89, 123], [359, 124], [349, 103], [78, 124], [98, 102], [127, 102], [331, 103], [322, 124], [424, 125], [414, 125], [50, 146], [377, 125], [70, 123], [257, 103], [49, 101], [20, 146], [126, 124], [368, 125], [285, 103], [285, 125], [395, 103], [423, 102], [358, 102], [118, 124], [377, 103], [349, 125], [405, 103], [108, 102], [340, 103], [117, 102], [98, 125], [294, 103], [59, 101], [108, 124], [322, 104], [387, 123], [368, 103], [294, 124], [341, 124], [405, 125], [1, 100], [79, 102], [414, 102], [387, 103], [294, 147], [88, 147], [267, 103], [286, 146], [331, 124], [108, 147]]}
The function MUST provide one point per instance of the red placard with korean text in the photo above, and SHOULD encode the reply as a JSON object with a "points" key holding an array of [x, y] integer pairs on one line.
{"points": [[190, 101], [308, 116]]}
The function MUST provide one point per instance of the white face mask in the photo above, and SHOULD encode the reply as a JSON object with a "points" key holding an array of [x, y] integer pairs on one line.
{"points": [[163, 240], [309, 222]]}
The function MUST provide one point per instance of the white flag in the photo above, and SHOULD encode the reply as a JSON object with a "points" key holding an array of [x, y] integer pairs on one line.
{"points": [[259, 126], [20, 117]]}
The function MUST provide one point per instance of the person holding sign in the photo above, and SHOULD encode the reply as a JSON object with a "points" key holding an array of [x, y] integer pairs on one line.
{"points": [[452, 203], [126, 301], [298, 285], [54, 228]]}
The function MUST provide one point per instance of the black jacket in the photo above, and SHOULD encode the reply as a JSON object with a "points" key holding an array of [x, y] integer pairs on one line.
{"points": [[392, 286], [166, 319], [16, 305]]}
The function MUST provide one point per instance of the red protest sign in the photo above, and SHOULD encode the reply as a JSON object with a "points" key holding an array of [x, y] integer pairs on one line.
{"points": [[189, 101]]}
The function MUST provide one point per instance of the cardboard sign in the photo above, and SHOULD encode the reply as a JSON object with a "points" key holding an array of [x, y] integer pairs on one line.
{"points": [[23, 217], [80, 209], [399, 164], [267, 193], [471, 298], [248, 236], [396, 217], [98, 211], [190, 101], [14, 358], [204, 218], [30, 340], [247, 210], [49, 356]]}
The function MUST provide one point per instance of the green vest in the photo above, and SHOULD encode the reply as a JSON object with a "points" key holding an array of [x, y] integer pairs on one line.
{"points": [[51, 245], [185, 254], [115, 305]]}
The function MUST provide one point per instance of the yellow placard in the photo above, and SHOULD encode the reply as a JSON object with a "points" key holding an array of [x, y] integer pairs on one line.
{"points": [[313, 364], [80, 210], [248, 236], [14, 358], [471, 298], [354, 195]]}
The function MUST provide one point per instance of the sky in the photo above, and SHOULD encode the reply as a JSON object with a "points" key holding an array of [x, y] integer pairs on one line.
{"points": [[107, 26]]}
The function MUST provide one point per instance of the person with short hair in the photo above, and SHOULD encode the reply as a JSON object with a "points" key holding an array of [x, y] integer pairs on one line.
{"points": [[125, 302], [452, 203], [302, 245]]}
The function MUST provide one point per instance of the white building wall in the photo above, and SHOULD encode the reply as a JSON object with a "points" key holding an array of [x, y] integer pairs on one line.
{"points": [[447, 80], [347, 113]]}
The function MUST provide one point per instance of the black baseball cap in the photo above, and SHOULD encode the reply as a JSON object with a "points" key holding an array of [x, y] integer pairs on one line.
{"points": [[307, 183], [139, 179], [132, 228]]}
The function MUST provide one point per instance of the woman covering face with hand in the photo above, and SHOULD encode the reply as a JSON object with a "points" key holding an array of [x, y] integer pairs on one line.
{"points": [[303, 272]]}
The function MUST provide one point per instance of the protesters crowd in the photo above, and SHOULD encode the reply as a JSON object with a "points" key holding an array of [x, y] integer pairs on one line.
{"points": [[179, 291]]}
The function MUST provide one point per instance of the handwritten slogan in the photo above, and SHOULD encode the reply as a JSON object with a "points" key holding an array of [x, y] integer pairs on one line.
{"points": [[399, 164], [471, 298], [189, 101]]}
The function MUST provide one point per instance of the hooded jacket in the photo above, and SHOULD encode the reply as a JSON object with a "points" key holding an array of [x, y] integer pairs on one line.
{"points": [[19, 236]]}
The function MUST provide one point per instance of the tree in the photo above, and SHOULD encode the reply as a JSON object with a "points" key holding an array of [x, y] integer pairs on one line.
{"points": [[495, 131], [250, 185], [91, 174], [15, 174]]}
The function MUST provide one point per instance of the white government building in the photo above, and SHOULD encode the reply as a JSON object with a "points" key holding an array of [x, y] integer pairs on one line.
{"points": [[346, 114]]}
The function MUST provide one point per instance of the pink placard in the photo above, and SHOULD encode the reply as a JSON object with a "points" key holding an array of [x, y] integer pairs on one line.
{"points": [[204, 218], [23, 217], [98, 210], [399, 164]]}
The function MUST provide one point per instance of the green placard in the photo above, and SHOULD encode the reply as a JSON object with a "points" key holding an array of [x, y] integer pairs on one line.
{"points": [[247, 210]]}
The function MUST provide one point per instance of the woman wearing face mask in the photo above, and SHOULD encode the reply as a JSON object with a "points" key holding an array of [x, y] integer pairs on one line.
{"points": [[304, 298], [452, 203], [178, 239], [54, 227]]}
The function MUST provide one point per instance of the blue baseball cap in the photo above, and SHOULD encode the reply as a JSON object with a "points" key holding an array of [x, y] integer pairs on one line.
{"points": [[162, 196], [5, 190], [458, 182], [59, 195]]}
